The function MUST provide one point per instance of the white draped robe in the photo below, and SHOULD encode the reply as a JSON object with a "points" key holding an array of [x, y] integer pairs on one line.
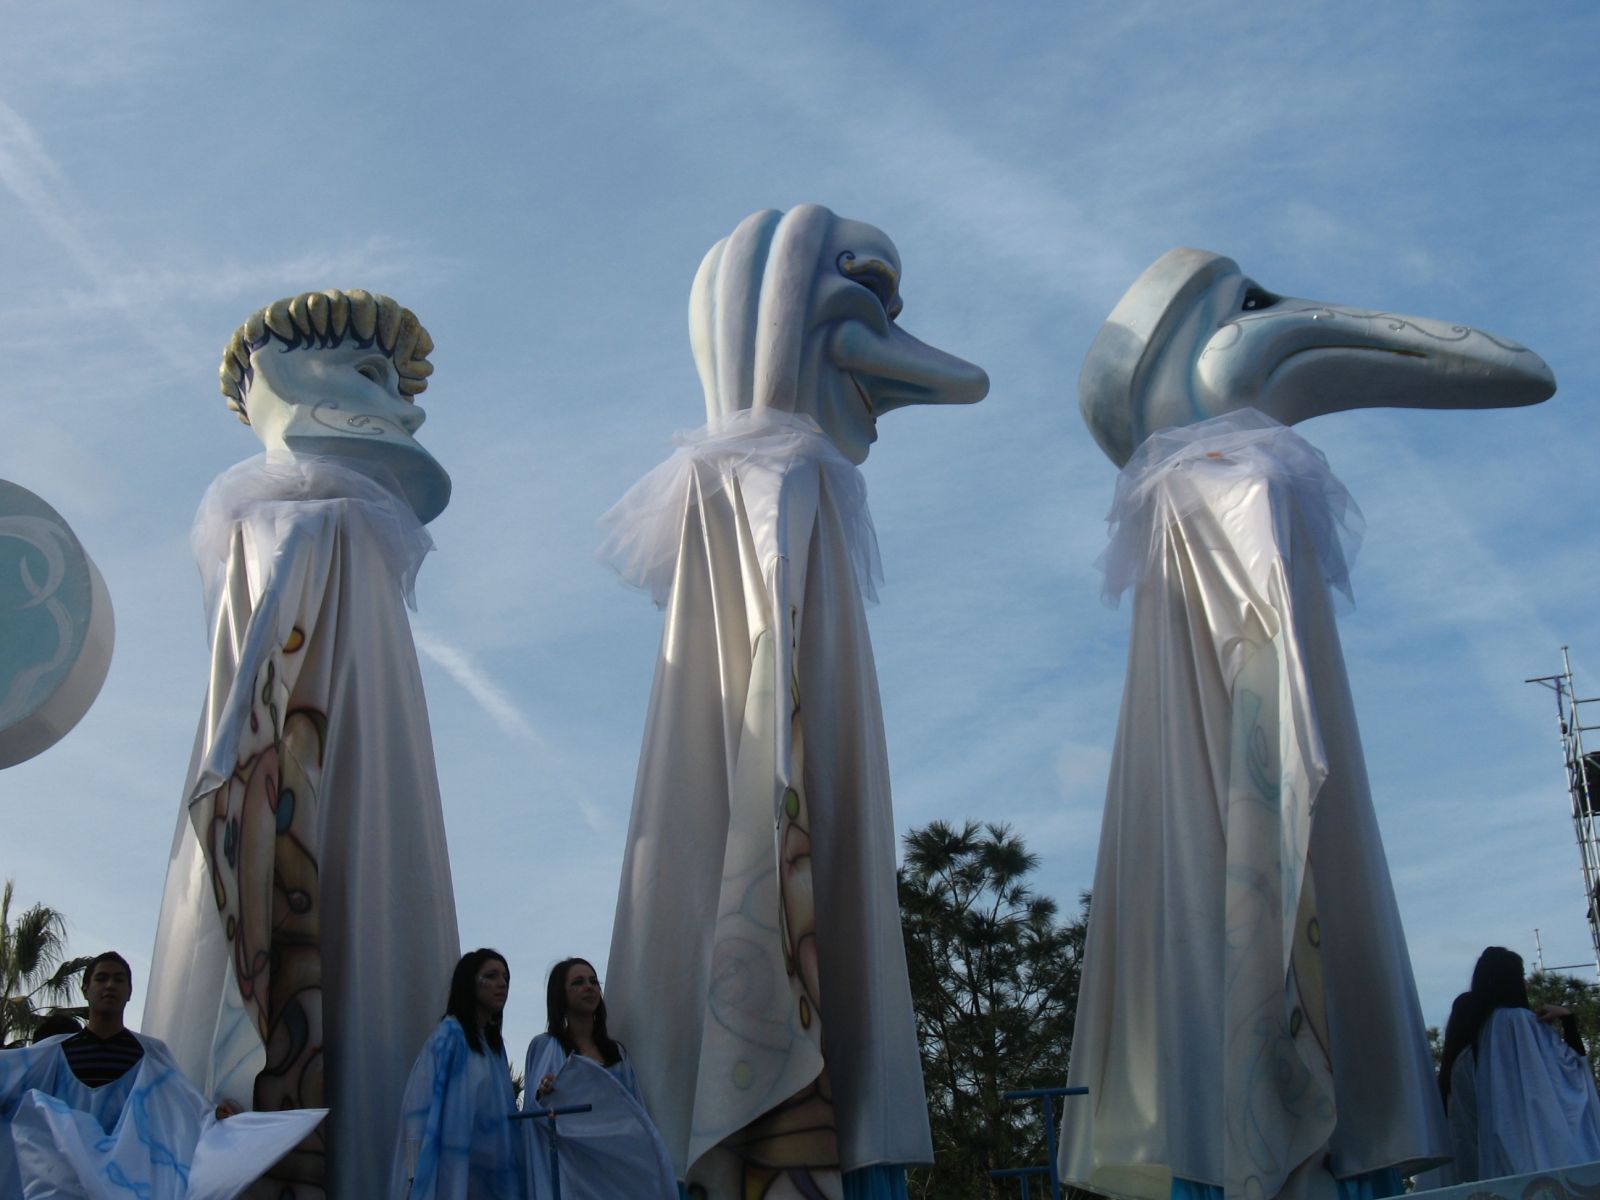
{"points": [[756, 537], [1247, 1011], [345, 890], [149, 1133], [1521, 1101]]}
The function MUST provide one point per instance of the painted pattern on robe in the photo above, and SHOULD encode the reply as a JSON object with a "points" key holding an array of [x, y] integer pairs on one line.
{"points": [[1238, 762], [753, 814], [258, 832], [791, 1149], [1276, 1056]]}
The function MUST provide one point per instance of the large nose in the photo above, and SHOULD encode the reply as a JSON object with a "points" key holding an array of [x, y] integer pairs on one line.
{"points": [[903, 369], [1303, 358]]}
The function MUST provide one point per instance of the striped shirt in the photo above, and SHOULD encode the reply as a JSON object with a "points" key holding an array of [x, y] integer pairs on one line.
{"points": [[96, 1061]]}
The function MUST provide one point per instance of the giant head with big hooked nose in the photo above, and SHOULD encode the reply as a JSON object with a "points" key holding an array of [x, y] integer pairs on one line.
{"points": [[797, 311], [1194, 338]]}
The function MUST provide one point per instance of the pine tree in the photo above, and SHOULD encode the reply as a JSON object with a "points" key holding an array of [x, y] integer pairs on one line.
{"points": [[994, 980]]}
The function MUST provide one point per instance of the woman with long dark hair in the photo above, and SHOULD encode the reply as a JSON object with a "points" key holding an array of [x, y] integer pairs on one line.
{"points": [[457, 1141], [575, 1012], [612, 1150], [1519, 1096]]}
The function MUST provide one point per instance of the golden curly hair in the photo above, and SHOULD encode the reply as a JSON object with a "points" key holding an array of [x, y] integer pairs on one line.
{"points": [[323, 319]]}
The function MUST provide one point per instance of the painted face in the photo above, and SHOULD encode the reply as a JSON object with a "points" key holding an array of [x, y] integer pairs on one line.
{"points": [[109, 989], [493, 983], [1296, 358], [798, 312], [349, 391], [861, 363], [583, 989], [344, 401], [1194, 338]]}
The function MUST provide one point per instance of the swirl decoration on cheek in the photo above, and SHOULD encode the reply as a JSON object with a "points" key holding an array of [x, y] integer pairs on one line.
{"points": [[323, 413]]}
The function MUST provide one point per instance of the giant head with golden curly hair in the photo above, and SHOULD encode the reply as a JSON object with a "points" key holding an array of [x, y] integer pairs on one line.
{"points": [[336, 373]]}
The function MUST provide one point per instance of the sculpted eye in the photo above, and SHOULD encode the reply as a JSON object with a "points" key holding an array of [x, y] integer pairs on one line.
{"points": [[375, 369], [1257, 298], [878, 277]]}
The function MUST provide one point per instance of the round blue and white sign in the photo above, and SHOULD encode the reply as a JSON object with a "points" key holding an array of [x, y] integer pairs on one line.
{"points": [[56, 627]]}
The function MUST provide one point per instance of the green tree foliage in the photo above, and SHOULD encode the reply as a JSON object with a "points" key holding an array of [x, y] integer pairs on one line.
{"points": [[1582, 997], [994, 979], [33, 968]]}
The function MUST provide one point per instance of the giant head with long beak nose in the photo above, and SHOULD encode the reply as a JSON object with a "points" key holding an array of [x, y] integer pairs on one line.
{"points": [[796, 311], [1194, 338]]}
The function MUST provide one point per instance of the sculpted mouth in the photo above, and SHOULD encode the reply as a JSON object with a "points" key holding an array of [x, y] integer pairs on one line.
{"points": [[1397, 350], [865, 401]]}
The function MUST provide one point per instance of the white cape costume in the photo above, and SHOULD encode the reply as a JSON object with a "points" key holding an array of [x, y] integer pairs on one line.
{"points": [[149, 1134], [1522, 1101], [1248, 1014], [757, 936], [308, 921], [611, 1150]]}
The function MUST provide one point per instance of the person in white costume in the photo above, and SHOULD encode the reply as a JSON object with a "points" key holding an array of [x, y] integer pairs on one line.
{"points": [[1520, 1096], [614, 1148], [1248, 1023], [757, 968], [456, 1139], [106, 1112], [308, 910]]}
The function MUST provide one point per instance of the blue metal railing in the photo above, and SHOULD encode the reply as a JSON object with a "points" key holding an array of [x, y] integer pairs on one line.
{"points": [[1024, 1174], [550, 1114]]}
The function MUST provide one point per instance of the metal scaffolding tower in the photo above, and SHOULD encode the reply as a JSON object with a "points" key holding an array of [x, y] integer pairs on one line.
{"points": [[1583, 785]]}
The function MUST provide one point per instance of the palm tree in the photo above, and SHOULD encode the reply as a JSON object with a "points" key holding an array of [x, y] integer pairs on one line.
{"points": [[33, 966]]}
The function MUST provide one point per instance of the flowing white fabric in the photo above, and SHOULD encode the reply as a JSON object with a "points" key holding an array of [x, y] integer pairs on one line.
{"points": [[308, 907], [456, 1139], [1522, 1101], [271, 491], [644, 530], [749, 853], [612, 1150], [150, 1133], [1251, 445], [1248, 1017]]}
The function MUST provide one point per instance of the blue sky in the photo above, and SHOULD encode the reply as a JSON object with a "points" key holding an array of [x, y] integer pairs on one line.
{"points": [[539, 181]]}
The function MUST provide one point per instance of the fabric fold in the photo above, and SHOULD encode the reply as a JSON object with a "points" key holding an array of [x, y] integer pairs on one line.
{"points": [[757, 966], [311, 797], [1244, 942]]}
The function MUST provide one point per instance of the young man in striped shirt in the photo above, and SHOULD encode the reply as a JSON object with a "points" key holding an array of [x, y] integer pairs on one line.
{"points": [[105, 1050]]}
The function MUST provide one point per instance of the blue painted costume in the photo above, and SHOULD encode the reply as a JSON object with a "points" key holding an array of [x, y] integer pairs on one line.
{"points": [[457, 1141], [150, 1133]]}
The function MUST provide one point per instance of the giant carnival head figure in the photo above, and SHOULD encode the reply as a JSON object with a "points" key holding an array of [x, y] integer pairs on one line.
{"points": [[1194, 338], [796, 311], [337, 373]]}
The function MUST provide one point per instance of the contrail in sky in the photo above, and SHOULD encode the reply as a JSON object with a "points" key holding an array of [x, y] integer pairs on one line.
{"points": [[477, 683], [504, 712]]}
